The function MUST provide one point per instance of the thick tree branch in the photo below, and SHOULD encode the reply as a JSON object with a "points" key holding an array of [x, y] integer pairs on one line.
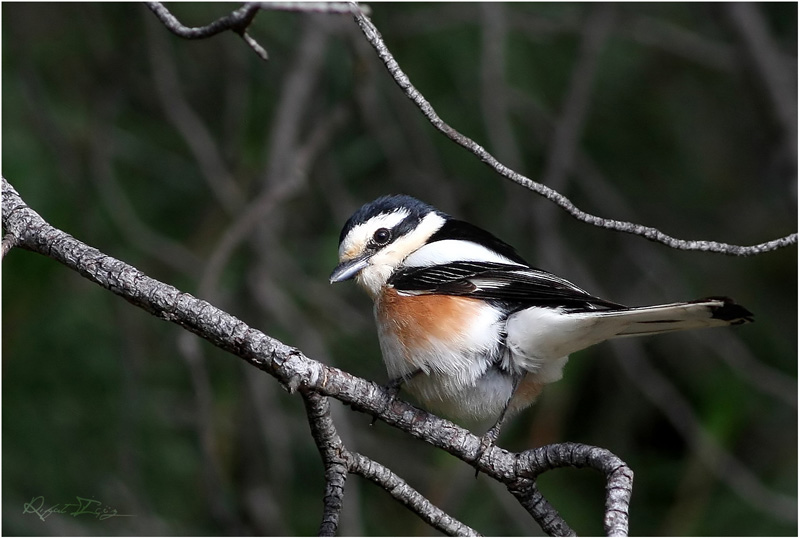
{"points": [[619, 478]]}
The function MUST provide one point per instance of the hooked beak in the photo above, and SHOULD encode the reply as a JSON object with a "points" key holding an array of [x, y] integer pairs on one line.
{"points": [[349, 269]]}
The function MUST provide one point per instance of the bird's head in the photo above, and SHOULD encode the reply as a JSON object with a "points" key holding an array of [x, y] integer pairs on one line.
{"points": [[380, 236], [400, 231]]}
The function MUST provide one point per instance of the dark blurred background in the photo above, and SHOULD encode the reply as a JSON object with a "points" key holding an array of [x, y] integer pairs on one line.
{"points": [[230, 177]]}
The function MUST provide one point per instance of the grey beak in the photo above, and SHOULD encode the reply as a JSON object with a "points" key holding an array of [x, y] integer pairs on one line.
{"points": [[349, 269]]}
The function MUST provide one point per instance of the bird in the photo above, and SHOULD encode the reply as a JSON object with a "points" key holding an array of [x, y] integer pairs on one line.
{"points": [[467, 326]]}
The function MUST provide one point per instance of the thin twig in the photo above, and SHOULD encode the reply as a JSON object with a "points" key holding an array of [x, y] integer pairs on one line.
{"points": [[311, 7], [297, 94], [270, 197], [238, 21], [653, 234], [338, 461], [402, 492], [563, 142]]}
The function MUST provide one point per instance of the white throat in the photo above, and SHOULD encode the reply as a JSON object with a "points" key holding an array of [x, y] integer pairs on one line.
{"points": [[384, 262]]}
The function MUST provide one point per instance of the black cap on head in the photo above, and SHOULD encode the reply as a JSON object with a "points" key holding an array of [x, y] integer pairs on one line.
{"points": [[387, 204]]}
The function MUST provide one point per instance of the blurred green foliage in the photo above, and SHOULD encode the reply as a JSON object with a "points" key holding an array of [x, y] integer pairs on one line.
{"points": [[128, 138]]}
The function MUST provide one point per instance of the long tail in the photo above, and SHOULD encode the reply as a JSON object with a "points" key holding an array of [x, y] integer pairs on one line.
{"points": [[540, 339], [701, 313]]}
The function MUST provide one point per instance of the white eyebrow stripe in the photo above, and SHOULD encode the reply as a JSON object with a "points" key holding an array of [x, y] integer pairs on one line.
{"points": [[447, 251], [383, 220], [358, 236], [395, 253]]}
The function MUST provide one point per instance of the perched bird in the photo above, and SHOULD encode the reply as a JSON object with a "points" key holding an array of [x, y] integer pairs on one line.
{"points": [[468, 326]]}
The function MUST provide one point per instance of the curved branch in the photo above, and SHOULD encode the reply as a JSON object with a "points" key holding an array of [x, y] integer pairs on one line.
{"points": [[238, 21], [374, 37], [619, 477]]}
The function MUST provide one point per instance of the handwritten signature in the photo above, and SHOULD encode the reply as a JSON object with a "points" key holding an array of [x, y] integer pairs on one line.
{"points": [[81, 506]]}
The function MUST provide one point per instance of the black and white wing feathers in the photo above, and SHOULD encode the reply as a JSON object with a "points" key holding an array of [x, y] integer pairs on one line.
{"points": [[513, 284]]}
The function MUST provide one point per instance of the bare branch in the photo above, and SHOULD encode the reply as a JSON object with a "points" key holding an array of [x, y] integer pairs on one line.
{"points": [[619, 478], [311, 7], [338, 461], [540, 509], [241, 18], [494, 91], [405, 494], [290, 366], [653, 234], [238, 21], [332, 451], [297, 91]]}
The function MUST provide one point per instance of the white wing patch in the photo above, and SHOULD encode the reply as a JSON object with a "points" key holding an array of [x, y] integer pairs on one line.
{"points": [[447, 251]]}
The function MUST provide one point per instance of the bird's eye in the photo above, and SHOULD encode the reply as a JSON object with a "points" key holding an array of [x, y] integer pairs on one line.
{"points": [[382, 236]]}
